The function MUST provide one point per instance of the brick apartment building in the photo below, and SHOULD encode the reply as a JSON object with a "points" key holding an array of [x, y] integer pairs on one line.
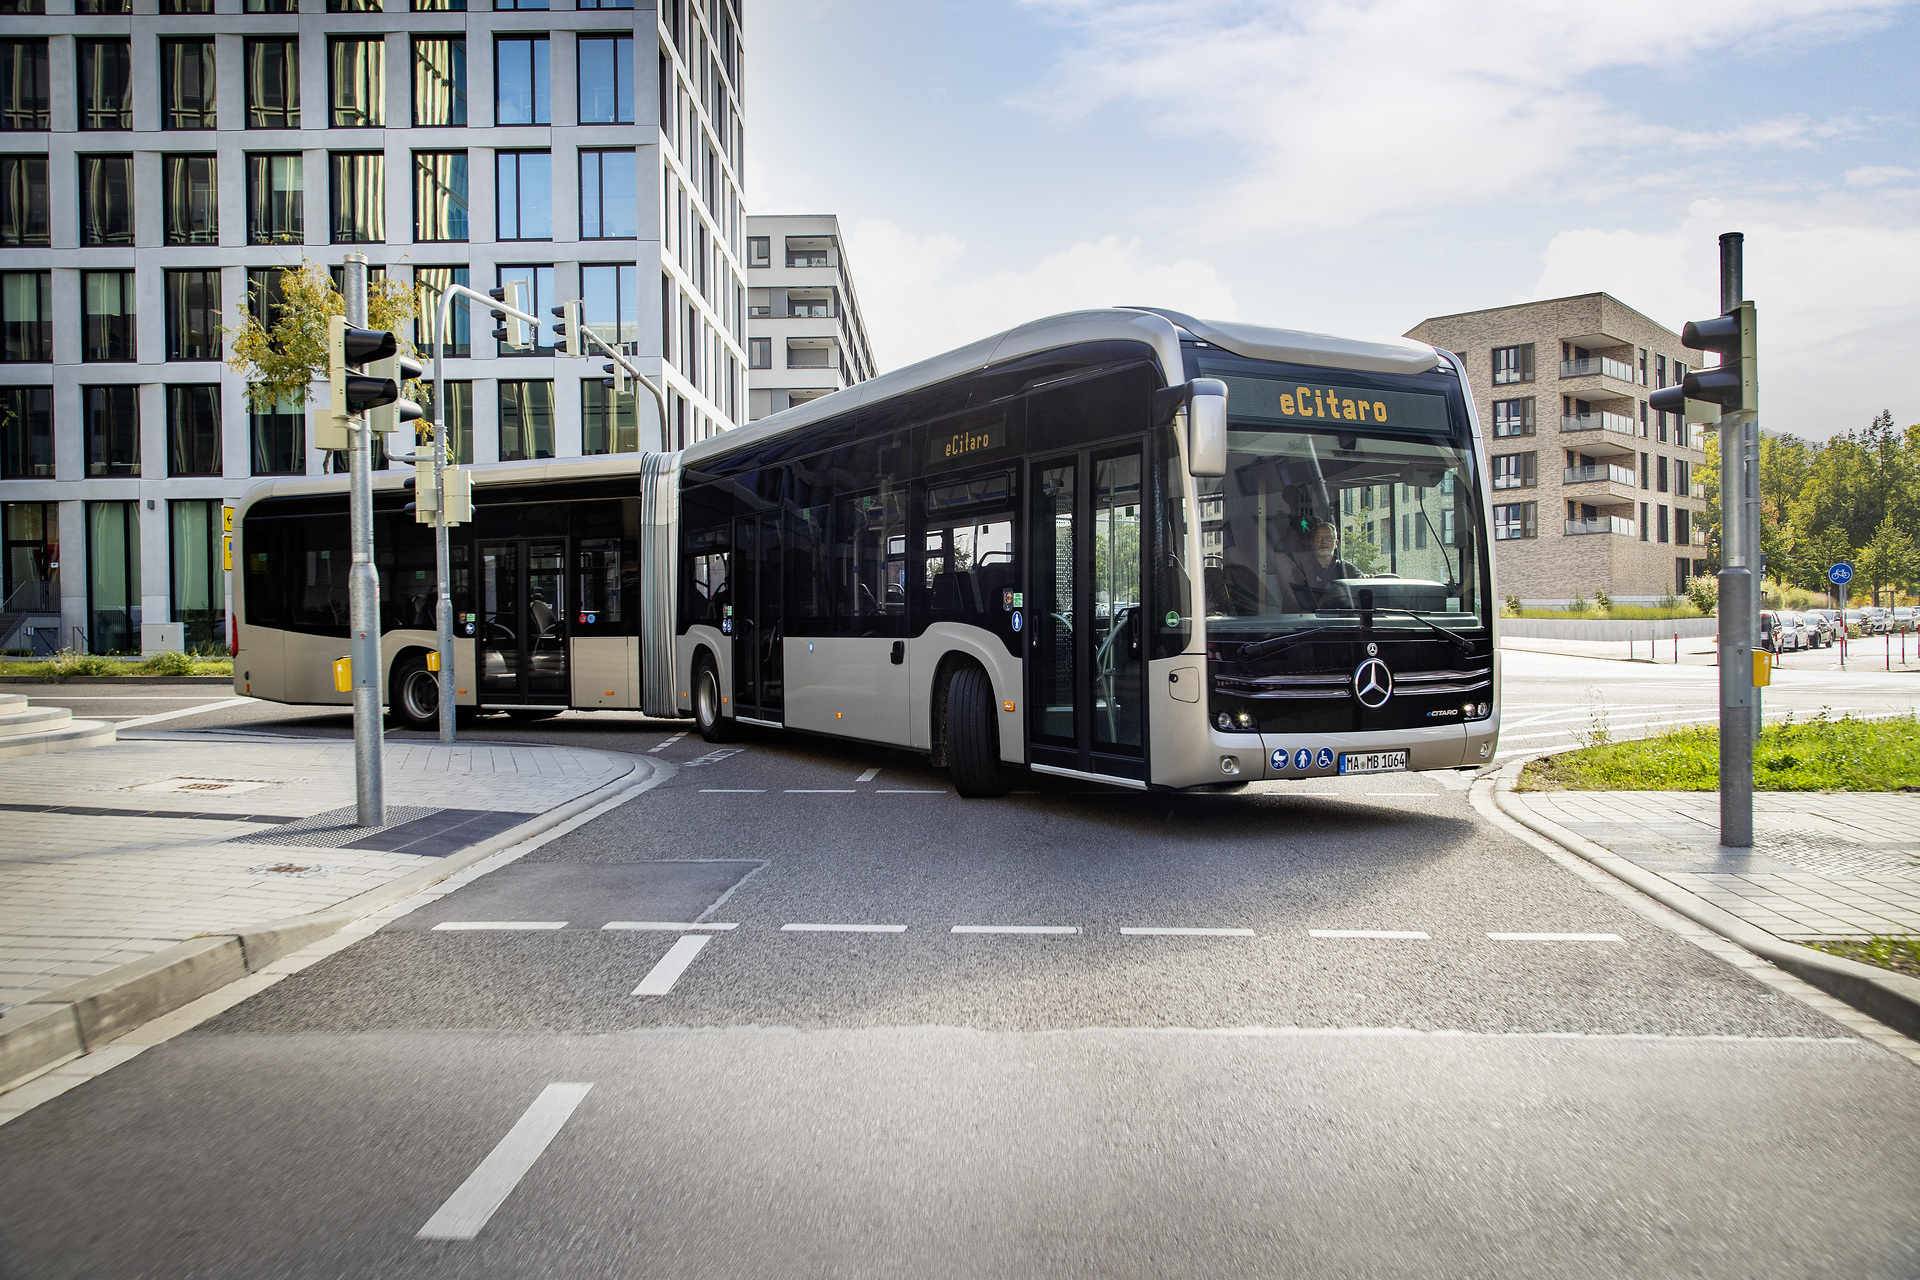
{"points": [[1593, 491]]}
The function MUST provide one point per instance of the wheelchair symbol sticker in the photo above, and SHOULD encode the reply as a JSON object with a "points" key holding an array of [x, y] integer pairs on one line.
{"points": [[1325, 758]]}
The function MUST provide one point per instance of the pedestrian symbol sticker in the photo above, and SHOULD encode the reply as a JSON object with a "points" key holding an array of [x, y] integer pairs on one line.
{"points": [[1302, 758], [1016, 619]]}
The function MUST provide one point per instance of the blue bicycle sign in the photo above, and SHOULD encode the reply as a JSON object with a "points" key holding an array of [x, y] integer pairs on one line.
{"points": [[1841, 574]]}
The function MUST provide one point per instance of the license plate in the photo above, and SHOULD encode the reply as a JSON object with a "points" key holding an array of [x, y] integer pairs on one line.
{"points": [[1374, 762]]}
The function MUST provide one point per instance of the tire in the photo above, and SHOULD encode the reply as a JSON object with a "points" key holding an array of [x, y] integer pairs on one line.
{"points": [[714, 723], [973, 736], [414, 695]]}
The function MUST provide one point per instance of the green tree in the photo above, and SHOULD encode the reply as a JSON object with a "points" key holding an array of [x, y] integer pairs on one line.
{"points": [[1889, 560], [282, 362]]}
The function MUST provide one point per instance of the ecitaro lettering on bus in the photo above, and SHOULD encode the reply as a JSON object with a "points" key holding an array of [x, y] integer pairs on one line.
{"points": [[1315, 402]]}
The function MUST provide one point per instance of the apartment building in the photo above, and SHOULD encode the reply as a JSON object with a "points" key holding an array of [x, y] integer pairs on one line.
{"points": [[158, 170], [805, 338], [1592, 491]]}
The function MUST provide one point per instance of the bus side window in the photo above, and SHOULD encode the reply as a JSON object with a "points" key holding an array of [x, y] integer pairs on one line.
{"points": [[706, 579], [870, 561]]}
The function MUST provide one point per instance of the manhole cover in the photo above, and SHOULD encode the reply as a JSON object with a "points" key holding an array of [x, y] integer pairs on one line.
{"points": [[219, 786]]}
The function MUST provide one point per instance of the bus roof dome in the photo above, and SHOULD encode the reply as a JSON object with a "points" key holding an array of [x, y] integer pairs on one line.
{"points": [[1296, 346]]}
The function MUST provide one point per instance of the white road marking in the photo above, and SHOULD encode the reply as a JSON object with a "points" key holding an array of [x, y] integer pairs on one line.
{"points": [[662, 976], [501, 924], [183, 711], [1015, 928], [662, 926], [821, 791], [733, 791], [869, 775], [669, 742], [1556, 937], [467, 1209], [909, 791], [1404, 794], [843, 928], [1412, 935], [126, 697], [1187, 933]]}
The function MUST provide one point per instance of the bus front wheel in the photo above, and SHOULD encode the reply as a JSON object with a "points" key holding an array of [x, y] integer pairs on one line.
{"points": [[973, 740], [714, 725], [415, 694]]}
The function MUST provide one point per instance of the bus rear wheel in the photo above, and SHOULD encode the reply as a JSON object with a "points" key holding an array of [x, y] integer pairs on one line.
{"points": [[415, 694], [973, 736], [713, 723]]}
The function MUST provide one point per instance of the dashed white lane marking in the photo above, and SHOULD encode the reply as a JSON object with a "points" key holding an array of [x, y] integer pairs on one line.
{"points": [[843, 928], [906, 791], [1410, 934], [662, 976], [1015, 928], [669, 742], [468, 1208], [500, 924], [1421, 795], [821, 791], [1318, 795], [1556, 937], [869, 775], [733, 791], [1187, 933], [662, 926]]}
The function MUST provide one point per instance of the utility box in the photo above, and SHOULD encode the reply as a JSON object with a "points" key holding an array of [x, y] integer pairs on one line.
{"points": [[163, 637]]}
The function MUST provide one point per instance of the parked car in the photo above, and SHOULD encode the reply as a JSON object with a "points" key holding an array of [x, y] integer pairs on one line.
{"points": [[1903, 618], [1856, 620], [1820, 627], [1779, 632], [1876, 621]]}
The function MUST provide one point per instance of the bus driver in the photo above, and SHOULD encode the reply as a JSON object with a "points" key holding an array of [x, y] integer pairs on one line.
{"points": [[1317, 573]]}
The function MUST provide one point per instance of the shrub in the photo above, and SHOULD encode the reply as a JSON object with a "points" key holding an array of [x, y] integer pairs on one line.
{"points": [[167, 664], [1513, 606], [68, 665], [1704, 593], [1602, 601], [1577, 605]]}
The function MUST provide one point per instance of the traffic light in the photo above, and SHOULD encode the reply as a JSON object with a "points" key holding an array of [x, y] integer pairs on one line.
{"points": [[354, 393], [621, 381], [568, 314], [512, 330], [428, 498], [1733, 385], [398, 412]]}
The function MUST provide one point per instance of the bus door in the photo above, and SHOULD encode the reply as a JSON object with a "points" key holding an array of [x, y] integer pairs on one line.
{"points": [[758, 686], [1086, 613], [523, 622]]}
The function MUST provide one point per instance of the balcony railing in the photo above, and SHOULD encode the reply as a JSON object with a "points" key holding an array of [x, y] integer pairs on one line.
{"points": [[1697, 538], [1696, 490], [806, 259], [1618, 423], [1603, 365], [1601, 524], [1581, 475]]}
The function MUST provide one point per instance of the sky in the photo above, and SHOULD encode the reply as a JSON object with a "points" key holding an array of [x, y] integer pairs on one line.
{"points": [[1355, 166]]}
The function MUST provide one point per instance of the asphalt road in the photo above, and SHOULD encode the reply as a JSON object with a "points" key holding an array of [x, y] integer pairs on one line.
{"points": [[1089, 1096]]}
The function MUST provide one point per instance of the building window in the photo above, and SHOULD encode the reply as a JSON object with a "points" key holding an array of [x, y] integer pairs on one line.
{"points": [[606, 79], [1645, 473], [609, 199], [31, 555], [1513, 417], [521, 4], [1660, 474], [524, 189], [1659, 372], [459, 418], [277, 440], [1512, 364], [536, 287], [429, 283], [353, 6], [610, 304], [106, 316], [1682, 474], [1682, 526], [26, 434], [1643, 420], [1644, 522], [1663, 522], [526, 421], [106, 83], [439, 6], [273, 6], [1515, 520], [113, 577], [112, 422], [24, 221], [1514, 471], [440, 80], [106, 200], [26, 317], [520, 80], [439, 195], [186, 6], [759, 353], [197, 577], [609, 422], [24, 97], [104, 8], [359, 197], [273, 83], [357, 74], [187, 84], [266, 294], [9, 8], [276, 200], [193, 431], [192, 200], [193, 315], [604, 4], [759, 251]]}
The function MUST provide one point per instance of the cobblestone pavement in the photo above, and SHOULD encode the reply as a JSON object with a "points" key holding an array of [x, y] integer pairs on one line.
{"points": [[1822, 866], [121, 851]]}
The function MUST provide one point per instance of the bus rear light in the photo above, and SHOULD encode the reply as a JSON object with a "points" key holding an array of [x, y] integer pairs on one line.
{"points": [[234, 651]]}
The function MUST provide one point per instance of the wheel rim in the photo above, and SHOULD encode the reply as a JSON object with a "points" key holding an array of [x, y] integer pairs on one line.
{"points": [[421, 695], [709, 700]]}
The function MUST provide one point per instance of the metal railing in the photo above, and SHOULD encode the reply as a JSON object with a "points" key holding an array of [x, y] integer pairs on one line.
{"points": [[1605, 366], [33, 597], [1582, 475], [1618, 423], [1602, 524]]}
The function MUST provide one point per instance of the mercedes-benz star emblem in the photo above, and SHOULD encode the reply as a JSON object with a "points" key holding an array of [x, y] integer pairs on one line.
{"points": [[1372, 684]]}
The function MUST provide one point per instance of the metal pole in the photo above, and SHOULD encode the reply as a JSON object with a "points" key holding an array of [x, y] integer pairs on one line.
{"points": [[363, 588], [1739, 544], [442, 543]]}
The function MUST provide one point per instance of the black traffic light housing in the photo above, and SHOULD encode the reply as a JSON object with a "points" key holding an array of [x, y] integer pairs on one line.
{"points": [[1733, 384]]}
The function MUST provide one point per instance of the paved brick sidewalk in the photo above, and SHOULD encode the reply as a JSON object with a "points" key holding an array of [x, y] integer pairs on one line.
{"points": [[112, 854], [1822, 866]]}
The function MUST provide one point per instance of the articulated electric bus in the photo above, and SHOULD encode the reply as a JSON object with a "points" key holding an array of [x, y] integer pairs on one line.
{"points": [[1050, 549]]}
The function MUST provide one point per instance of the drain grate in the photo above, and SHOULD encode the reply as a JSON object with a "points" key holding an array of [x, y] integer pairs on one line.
{"points": [[1832, 856], [218, 786]]}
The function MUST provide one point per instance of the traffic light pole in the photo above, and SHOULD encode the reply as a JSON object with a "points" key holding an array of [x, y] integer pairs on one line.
{"points": [[1739, 586], [363, 588], [633, 372]]}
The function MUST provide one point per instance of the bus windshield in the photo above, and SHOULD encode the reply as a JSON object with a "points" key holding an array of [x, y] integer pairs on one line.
{"points": [[1323, 516]]}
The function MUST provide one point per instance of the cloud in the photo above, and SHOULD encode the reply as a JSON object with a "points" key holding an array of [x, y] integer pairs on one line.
{"points": [[923, 294], [1874, 175]]}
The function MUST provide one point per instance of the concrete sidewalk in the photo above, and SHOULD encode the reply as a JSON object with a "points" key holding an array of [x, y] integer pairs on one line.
{"points": [[115, 854]]}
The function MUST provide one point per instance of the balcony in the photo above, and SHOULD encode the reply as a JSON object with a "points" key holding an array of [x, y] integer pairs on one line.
{"points": [[1602, 524], [1603, 366], [1604, 432], [1696, 490], [1583, 475], [807, 260]]}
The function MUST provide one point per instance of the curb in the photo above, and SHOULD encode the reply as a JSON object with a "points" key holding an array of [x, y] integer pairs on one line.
{"points": [[1891, 998], [227, 680], [82, 1016]]}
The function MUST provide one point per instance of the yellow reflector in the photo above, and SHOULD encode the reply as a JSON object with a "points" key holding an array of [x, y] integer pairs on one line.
{"points": [[433, 660], [1762, 668], [836, 715], [1006, 706], [343, 675]]}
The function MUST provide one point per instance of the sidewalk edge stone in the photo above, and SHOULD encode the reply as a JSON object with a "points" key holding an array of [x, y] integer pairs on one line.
{"points": [[1891, 998], [34, 1037]]}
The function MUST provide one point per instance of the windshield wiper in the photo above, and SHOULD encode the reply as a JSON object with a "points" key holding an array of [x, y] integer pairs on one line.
{"points": [[1465, 645], [1274, 644]]}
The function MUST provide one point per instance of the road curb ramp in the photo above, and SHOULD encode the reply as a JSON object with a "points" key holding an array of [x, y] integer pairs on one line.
{"points": [[82, 1016], [1891, 998]]}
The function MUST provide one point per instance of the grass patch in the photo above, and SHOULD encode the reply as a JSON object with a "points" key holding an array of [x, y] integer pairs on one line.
{"points": [[67, 665], [1902, 955], [1619, 613], [1820, 754]]}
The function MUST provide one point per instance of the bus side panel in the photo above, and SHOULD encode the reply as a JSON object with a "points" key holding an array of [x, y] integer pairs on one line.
{"points": [[685, 647], [1182, 750], [991, 653], [307, 663], [847, 685], [259, 668], [604, 670]]}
